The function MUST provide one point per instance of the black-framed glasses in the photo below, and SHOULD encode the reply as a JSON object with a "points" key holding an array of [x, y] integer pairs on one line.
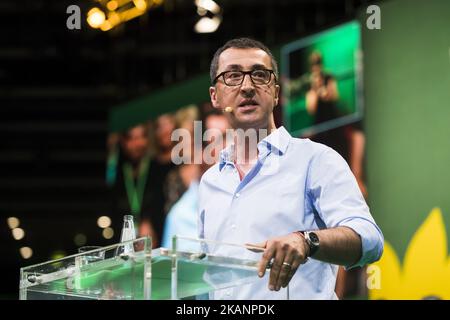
{"points": [[236, 78]]}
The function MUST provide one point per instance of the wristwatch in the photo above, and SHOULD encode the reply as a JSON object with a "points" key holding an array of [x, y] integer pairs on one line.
{"points": [[313, 242]]}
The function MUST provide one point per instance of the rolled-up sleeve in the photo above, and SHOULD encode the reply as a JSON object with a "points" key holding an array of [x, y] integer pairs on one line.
{"points": [[371, 238], [337, 199]]}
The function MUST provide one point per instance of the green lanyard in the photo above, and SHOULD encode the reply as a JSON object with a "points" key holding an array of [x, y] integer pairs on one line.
{"points": [[135, 191]]}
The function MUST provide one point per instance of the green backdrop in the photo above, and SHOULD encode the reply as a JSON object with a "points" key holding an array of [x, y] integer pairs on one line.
{"points": [[407, 116]]}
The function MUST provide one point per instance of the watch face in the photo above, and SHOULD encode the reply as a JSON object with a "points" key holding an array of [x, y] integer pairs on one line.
{"points": [[314, 238]]}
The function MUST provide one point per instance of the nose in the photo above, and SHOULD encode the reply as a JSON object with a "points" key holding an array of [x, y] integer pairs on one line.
{"points": [[247, 86]]}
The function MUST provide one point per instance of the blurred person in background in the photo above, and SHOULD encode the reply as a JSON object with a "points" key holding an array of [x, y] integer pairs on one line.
{"points": [[131, 188], [321, 103], [352, 283], [180, 177], [161, 165], [357, 153], [143, 167], [182, 218]]}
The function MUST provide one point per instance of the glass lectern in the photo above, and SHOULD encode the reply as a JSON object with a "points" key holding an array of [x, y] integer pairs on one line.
{"points": [[188, 269]]}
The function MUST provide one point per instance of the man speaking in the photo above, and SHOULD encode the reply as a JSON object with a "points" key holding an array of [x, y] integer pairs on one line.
{"points": [[295, 199]]}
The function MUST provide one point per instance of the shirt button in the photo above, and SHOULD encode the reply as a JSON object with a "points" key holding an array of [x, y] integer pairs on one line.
{"points": [[228, 294], [238, 195], [233, 226]]}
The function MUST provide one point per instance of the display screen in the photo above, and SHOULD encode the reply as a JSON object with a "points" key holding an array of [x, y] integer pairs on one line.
{"points": [[321, 80]]}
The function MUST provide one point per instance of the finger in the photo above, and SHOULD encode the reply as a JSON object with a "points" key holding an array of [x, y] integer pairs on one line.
{"points": [[286, 268], [257, 247], [265, 260], [276, 268], [295, 264]]}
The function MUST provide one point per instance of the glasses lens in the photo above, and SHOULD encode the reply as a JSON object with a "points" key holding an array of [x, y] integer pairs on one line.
{"points": [[233, 78], [260, 76]]}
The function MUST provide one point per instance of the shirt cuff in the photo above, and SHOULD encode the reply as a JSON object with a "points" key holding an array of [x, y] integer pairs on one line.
{"points": [[372, 240]]}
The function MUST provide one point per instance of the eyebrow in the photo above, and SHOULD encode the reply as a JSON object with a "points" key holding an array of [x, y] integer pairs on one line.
{"points": [[234, 67]]}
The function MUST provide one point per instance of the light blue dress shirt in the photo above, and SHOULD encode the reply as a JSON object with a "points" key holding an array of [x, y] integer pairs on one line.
{"points": [[296, 184], [182, 220]]}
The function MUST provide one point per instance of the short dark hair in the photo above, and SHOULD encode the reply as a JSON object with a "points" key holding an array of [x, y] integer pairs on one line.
{"points": [[315, 58], [240, 43]]}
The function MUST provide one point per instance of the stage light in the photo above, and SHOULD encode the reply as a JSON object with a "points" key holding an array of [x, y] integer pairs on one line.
{"points": [[211, 16], [95, 17], [26, 252], [112, 5], [104, 222], [108, 233], [208, 5], [106, 26], [58, 254], [140, 4], [201, 11], [112, 13], [13, 222], [18, 233], [207, 25]]}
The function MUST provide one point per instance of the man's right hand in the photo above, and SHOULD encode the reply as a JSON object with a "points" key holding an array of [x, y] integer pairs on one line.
{"points": [[284, 254]]}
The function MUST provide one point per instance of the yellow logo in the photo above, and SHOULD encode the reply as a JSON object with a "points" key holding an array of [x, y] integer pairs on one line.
{"points": [[426, 267]]}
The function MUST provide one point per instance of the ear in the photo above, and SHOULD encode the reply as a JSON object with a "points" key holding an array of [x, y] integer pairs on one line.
{"points": [[277, 95], [213, 95]]}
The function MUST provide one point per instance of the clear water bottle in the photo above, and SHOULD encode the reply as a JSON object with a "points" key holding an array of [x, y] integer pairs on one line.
{"points": [[128, 233]]}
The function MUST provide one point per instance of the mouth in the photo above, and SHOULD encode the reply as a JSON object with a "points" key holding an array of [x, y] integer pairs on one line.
{"points": [[248, 105]]}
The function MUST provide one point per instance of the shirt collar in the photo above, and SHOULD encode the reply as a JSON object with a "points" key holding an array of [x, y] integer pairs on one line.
{"points": [[279, 139], [276, 142]]}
